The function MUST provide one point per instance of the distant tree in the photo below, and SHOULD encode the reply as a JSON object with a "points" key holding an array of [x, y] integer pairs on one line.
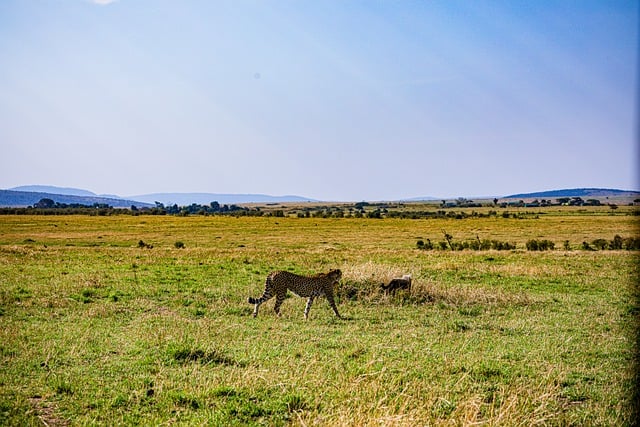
{"points": [[375, 214], [174, 209], [45, 203], [448, 237]]}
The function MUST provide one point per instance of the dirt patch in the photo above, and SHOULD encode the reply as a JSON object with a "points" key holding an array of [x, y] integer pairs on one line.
{"points": [[46, 412]]}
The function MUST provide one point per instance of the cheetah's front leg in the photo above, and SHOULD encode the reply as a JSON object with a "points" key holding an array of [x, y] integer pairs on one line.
{"points": [[332, 303]]}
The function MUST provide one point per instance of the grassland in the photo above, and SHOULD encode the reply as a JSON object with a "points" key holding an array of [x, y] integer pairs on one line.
{"points": [[99, 330]]}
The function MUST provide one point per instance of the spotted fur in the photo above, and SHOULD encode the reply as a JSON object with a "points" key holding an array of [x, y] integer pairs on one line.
{"points": [[279, 282]]}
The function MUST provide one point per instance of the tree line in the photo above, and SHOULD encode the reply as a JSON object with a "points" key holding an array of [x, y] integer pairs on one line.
{"points": [[378, 210], [48, 206]]}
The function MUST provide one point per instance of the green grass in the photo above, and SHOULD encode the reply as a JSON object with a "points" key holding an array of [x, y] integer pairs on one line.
{"points": [[97, 330]]}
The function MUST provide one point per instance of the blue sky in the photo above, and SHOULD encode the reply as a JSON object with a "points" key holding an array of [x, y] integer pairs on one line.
{"points": [[333, 99]]}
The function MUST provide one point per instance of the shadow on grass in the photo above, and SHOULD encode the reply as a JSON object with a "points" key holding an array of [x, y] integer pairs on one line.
{"points": [[186, 355]]}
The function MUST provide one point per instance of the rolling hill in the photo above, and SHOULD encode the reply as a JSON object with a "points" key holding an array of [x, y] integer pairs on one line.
{"points": [[30, 194], [576, 192], [55, 190], [11, 198]]}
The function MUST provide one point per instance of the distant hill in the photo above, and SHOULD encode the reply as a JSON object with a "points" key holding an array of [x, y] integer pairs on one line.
{"points": [[576, 192], [54, 190], [10, 198], [186, 199], [27, 195]]}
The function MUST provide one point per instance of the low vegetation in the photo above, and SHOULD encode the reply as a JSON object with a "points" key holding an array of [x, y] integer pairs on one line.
{"points": [[112, 320]]}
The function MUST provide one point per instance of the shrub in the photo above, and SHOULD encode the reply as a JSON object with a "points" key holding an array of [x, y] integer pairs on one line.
{"points": [[143, 245], [502, 246], [600, 244], [616, 243], [587, 247], [179, 245], [540, 245], [631, 244], [473, 244]]}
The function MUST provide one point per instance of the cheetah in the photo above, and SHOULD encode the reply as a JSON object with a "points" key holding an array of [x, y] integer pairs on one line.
{"points": [[278, 282]]}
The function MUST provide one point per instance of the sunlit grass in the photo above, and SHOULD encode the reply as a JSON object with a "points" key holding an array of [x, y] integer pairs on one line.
{"points": [[97, 330]]}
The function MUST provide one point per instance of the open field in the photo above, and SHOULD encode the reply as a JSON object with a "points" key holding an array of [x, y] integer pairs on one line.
{"points": [[98, 329]]}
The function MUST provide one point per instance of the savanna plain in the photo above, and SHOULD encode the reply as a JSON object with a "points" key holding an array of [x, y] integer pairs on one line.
{"points": [[144, 320]]}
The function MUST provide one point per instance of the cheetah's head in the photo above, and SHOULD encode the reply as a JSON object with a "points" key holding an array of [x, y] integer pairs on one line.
{"points": [[335, 275]]}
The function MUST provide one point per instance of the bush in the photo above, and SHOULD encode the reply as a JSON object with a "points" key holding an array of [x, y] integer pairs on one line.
{"points": [[502, 246], [540, 245], [631, 244], [618, 243], [600, 244], [473, 244], [587, 247], [143, 245]]}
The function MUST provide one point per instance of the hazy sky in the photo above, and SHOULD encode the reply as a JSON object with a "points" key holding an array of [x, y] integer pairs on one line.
{"points": [[332, 99]]}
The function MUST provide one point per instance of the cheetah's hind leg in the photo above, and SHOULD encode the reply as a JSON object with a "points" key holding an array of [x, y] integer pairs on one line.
{"points": [[257, 301], [307, 308]]}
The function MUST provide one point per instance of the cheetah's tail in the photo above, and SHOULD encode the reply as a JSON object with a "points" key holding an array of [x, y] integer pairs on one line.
{"points": [[265, 296]]}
